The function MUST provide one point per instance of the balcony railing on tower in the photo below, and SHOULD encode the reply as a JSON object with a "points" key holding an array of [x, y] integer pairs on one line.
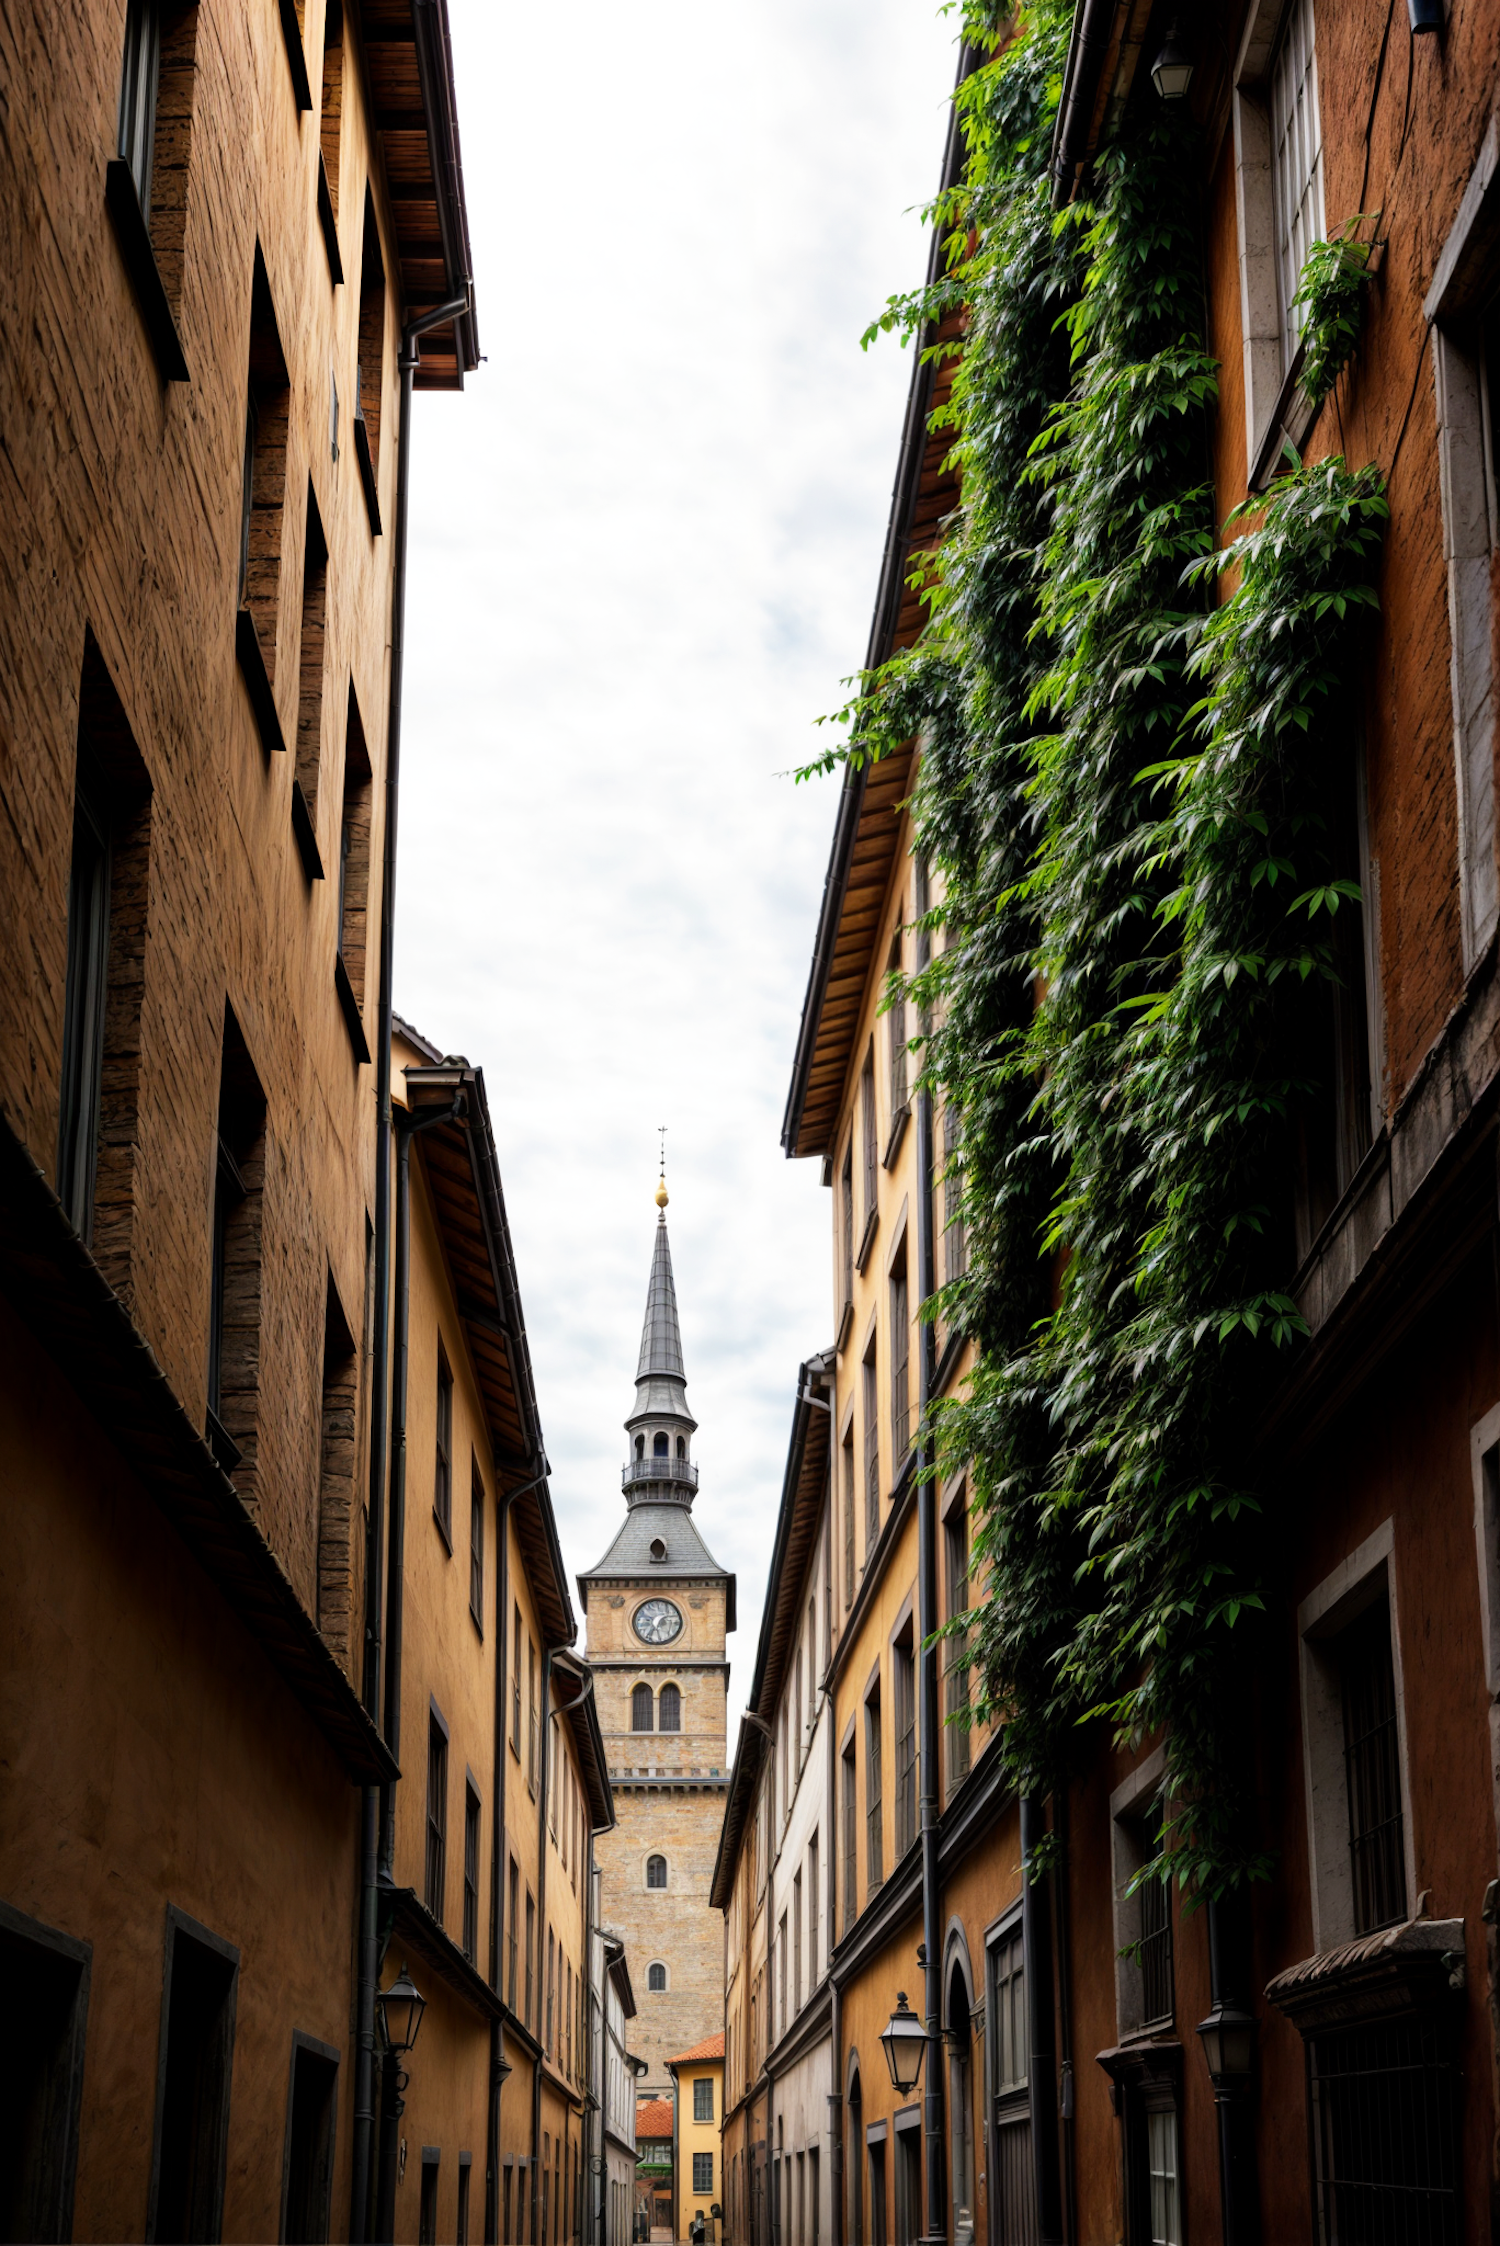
{"points": [[638, 1470]]}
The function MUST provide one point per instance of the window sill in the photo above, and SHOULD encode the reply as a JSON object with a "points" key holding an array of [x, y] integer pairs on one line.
{"points": [[349, 1006], [867, 1240], [133, 235], [846, 1320], [291, 32], [899, 1122], [302, 828], [366, 461], [329, 224], [250, 656]]}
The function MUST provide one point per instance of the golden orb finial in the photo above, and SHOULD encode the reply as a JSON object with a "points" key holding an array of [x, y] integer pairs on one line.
{"points": [[661, 1191]]}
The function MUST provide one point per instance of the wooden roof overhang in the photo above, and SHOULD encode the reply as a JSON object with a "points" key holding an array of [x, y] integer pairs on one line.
{"points": [[463, 1177], [574, 1680], [69, 1307], [867, 830], [803, 1485], [408, 58]]}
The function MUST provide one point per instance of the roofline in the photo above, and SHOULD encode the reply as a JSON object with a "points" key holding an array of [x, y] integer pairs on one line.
{"points": [[485, 1163], [882, 628], [811, 1369], [434, 46]]}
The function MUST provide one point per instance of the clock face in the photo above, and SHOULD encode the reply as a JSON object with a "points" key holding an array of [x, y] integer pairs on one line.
{"points": [[658, 1622]]}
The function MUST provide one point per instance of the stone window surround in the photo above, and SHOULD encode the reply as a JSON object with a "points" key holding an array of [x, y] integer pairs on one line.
{"points": [[1272, 401], [1471, 530], [1126, 1804], [1358, 1580]]}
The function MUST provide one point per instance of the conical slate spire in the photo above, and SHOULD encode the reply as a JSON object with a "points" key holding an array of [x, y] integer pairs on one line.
{"points": [[661, 1338]]}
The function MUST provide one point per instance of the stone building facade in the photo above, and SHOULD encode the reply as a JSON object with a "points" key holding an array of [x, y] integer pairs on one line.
{"points": [[658, 1609]]}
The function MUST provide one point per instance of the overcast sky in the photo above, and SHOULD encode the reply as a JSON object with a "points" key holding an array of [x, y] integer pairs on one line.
{"points": [[644, 551]]}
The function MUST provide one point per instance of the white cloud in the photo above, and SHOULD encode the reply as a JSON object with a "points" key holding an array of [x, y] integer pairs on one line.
{"points": [[644, 552]]}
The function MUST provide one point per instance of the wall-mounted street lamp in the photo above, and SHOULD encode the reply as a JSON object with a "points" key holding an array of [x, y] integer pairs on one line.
{"points": [[904, 2040], [1172, 71], [400, 2007], [1229, 2047]]}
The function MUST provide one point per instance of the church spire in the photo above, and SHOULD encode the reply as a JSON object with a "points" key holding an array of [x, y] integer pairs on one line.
{"points": [[659, 1466]]}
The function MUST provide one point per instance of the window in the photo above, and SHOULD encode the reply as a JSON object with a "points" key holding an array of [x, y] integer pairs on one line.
{"points": [[904, 1679], [47, 1974], [703, 2169], [186, 2196], [872, 1453], [138, 89], [476, 1545], [369, 371], [531, 1736], [146, 184], [682, 1446], [263, 504], [307, 2178], [871, 1147], [641, 1707], [515, 1684], [874, 1858], [955, 1235], [877, 2191], [1385, 2126], [437, 1815], [797, 1942], [312, 639], [465, 2167], [235, 1269], [956, 1680], [1372, 1771], [908, 2186], [640, 1446], [669, 1709], [1014, 2200], [794, 1715], [703, 2103], [354, 871], [1297, 160], [846, 1226], [849, 1822], [513, 1932], [814, 1902], [471, 1873], [338, 1500], [848, 1476], [656, 1871], [656, 1978], [659, 1446], [106, 937], [530, 2013], [1355, 1759], [427, 2212], [442, 1471], [900, 1372], [896, 1017], [781, 1965], [551, 1983], [812, 1663]]}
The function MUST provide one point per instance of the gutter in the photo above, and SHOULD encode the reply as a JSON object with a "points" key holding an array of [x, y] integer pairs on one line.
{"points": [[440, 104], [1088, 49], [369, 1927]]}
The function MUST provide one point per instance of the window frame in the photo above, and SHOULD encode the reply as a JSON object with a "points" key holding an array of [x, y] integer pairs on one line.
{"points": [[442, 1464], [435, 1865]]}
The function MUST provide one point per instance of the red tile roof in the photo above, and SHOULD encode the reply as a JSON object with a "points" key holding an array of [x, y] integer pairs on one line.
{"points": [[713, 2048], [654, 2118]]}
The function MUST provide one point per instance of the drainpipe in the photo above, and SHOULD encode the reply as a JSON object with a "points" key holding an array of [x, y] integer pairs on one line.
{"points": [[499, 2065], [407, 1126], [927, 1624], [541, 1938], [369, 1918], [1229, 1989], [1041, 2037]]}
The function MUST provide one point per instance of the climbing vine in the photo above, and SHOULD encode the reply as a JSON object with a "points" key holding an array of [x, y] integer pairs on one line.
{"points": [[1130, 737]]}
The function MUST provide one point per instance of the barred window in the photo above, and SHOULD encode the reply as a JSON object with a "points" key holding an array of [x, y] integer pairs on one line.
{"points": [[1377, 1834], [437, 1817], [1297, 158], [1385, 2134]]}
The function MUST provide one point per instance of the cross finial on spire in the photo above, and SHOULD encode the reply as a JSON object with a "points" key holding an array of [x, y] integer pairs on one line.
{"points": [[661, 1183]]}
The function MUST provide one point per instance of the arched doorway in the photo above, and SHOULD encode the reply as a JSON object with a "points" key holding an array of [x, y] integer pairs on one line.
{"points": [[854, 2159], [959, 2044]]}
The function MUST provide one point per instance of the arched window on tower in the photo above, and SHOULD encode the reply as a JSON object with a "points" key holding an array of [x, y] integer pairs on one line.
{"points": [[640, 1708], [640, 1446], [669, 1709], [682, 1446], [656, 1871], [659, 1446], [656, 1978]]}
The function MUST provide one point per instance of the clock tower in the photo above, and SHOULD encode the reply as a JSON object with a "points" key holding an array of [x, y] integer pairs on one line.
{"points": [[658, 1608]]}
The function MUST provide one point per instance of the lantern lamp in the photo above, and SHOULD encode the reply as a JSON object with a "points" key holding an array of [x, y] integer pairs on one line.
{"points": [[401, 2009], [1172, 71], [905, 2040], [1229, 2047]]}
